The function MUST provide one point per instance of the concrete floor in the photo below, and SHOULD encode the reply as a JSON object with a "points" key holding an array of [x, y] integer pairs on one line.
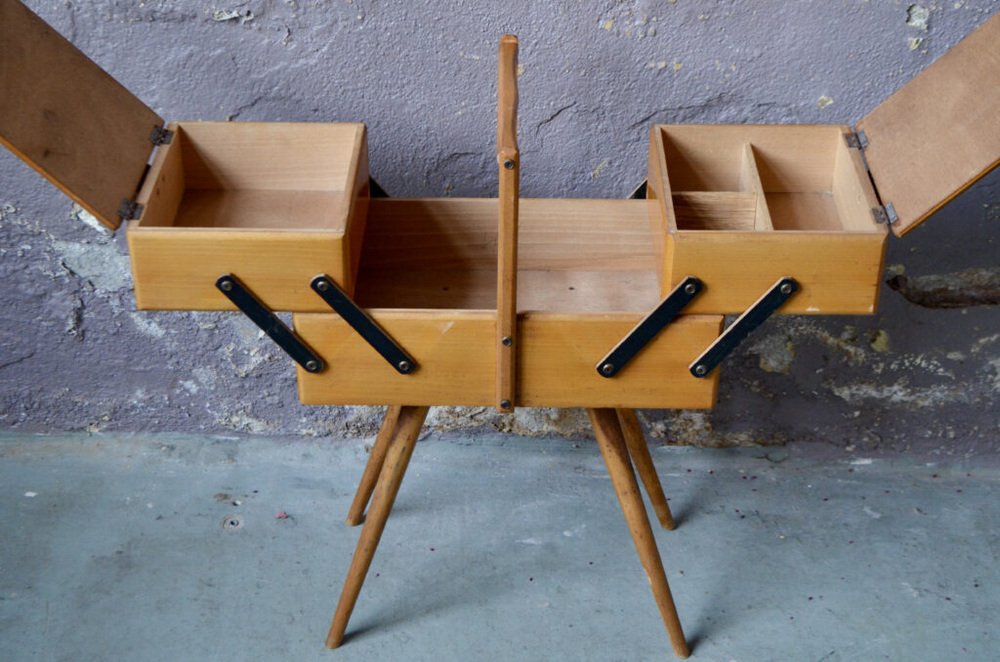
{"points": [[116, 548]]}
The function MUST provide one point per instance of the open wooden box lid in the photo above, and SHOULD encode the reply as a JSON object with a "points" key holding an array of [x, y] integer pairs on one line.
{"points": [[68, 119], [940, 132]]}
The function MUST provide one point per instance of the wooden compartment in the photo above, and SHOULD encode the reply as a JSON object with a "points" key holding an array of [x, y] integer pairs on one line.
{"points": [[273, 203], [742, 206], [586, 276]]}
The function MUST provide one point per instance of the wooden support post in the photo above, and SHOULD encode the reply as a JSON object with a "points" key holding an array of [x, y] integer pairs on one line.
{"points": [[643, 461], [411, 419], [374, 466], [612, 444], [509, 162]]}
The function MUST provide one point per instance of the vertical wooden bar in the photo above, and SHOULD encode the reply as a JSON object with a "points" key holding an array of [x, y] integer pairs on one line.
{"points": [[508, 160]]}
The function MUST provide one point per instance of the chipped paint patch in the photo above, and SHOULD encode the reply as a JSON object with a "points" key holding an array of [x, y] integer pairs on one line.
{"points": [[902, 393], [880, 341], [776, 353], [917, 17], [146, 325], [599, 168], [824, 101], [99, 264]]}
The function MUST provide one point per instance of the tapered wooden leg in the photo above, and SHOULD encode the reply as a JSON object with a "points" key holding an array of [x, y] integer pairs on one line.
{"points": [[611, 441], [374, 466], [397, 458], [643, 461]]}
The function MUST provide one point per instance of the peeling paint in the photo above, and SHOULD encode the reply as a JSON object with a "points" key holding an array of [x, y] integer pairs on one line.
{"points": [[917, 17], [971, 287]]}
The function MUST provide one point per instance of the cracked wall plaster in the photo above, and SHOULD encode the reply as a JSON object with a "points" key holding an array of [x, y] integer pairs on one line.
{"points": [[76, 355]]}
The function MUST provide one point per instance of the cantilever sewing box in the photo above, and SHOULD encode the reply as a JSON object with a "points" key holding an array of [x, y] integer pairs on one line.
{"points": [[610, 305]]}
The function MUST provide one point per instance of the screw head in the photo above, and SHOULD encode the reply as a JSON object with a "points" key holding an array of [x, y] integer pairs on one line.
{"points": [[607, 368], [786, 288], [312, 366], [404, 366], [226, 286], [507, 341], [700, 370], [322, 286], [505, 404], [690, 288], [509, 164]]}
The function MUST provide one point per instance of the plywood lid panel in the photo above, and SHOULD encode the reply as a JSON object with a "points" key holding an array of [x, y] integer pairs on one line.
{"points": [[69, 119], [940, 132]]}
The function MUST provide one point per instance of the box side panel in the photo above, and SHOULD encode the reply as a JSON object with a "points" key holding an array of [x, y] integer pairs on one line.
{"points": [[454, 351], [556, 364], [357, 214], [177, 270], [839, 272]]}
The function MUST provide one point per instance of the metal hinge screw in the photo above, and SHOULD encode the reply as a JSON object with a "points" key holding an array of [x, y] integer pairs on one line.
{"points": [[509, 164], [607, 369], [507, 341], [690, 288], [311, 366], [700, 370], [505, 404], [226, 286], [322, 286], [404, 366]]}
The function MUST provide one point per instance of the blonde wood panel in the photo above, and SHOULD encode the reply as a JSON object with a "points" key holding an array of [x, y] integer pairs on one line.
{"points": [[177, 270], [559, 352], [461, 233], [298, 156], [853, 194], [262, 210], [839, 272], [556, 361], [790, 158], [554, 291], [751, 182], [715, 210], [454, 351], [938, 133], [67, 118], [163, 189]]}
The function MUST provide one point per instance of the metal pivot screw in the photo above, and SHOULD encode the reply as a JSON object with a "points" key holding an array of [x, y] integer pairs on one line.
{"points": [[607, 369], [690, 288], [786, 288], [505, 404], [312, 366], [226, 286], [507, 341], [700, 370], [404, 366], [322, 286], [509, 164]]}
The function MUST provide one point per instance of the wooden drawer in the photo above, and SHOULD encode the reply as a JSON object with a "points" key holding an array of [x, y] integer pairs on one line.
{"points": [[273, 203], [741, 206], [586, 276]]}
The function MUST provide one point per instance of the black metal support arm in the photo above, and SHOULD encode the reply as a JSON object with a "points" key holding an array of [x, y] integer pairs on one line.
{"points": [[366, 327], [268, 322], [650, 326], [737, 332]]}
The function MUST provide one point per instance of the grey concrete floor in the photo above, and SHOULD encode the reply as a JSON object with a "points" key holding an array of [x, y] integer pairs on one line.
{"points": [[499, 548]]}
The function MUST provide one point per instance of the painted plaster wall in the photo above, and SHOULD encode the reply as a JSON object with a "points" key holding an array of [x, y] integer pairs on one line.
{"points": [[74, 353]]}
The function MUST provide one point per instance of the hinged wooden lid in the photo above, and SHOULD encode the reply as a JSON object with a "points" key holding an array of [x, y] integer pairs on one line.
{"points": [[940, 132], [68, 118]]}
